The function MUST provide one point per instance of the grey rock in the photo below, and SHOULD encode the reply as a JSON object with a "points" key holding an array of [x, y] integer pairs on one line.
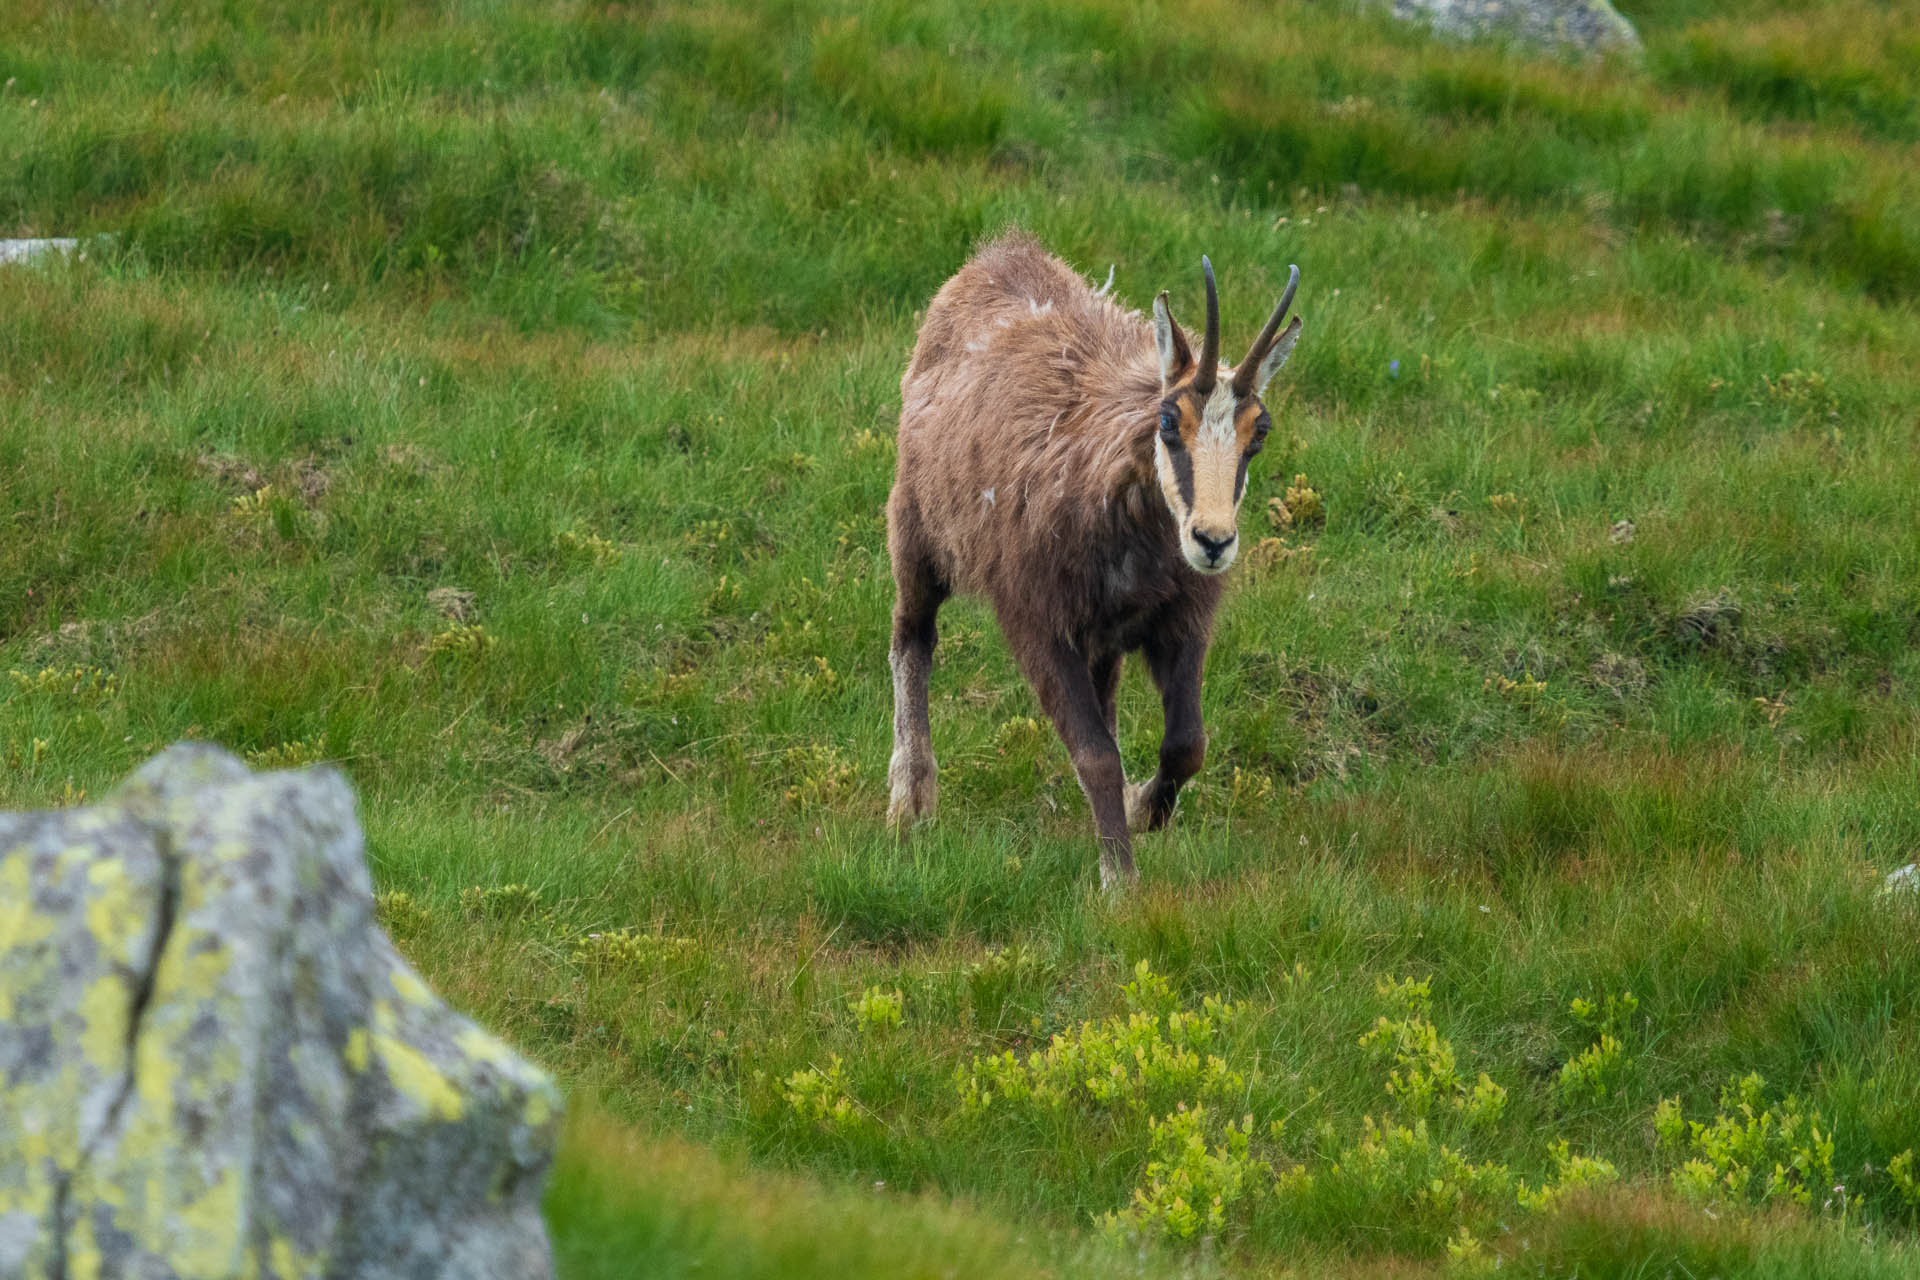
{"points": [[1587, 26], [28, 250], [214, 1063]]}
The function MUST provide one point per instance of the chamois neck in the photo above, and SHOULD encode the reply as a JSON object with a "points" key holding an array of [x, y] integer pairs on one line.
{"points": [[1128, 406]]}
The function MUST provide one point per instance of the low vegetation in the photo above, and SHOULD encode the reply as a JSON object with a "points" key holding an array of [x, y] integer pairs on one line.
{"points": [[496, 399]]}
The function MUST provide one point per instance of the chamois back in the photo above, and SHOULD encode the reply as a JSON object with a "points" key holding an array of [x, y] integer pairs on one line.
{"points": [[1026, 427]]}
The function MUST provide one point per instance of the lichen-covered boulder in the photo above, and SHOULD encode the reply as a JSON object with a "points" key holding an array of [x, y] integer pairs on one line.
{"points": [[1589, 26], [213, 1063]]}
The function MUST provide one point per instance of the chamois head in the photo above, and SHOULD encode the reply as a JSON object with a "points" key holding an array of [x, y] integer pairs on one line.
{"points": [[1212, 423]]}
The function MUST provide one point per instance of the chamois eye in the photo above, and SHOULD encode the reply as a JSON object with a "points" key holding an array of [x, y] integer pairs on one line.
{"points": [[1170, 426], [1261, 425]]}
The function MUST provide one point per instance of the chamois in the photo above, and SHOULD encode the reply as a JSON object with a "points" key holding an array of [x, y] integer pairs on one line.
{"points": [[1082, 470]]}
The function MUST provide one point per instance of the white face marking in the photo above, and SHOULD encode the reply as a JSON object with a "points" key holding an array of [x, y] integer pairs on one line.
{"points": [[1214, 459], [1216, 420]]}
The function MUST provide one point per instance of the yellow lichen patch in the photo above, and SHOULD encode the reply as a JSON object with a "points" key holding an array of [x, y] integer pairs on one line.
{"points": [[103, 1022], [30, 1144], [411, 989], [20, 928], [481, 1047], [410, 1071], [83, 1256], [539, 1109], [115, 913], [153, 1072], [356, 1051], [187, 977], [20, 924], [205, 1234], [286, 1262], [193, 965], [171, 1071], [227, 851]]}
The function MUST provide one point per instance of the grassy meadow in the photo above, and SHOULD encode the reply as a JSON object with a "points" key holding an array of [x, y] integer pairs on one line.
{"points": [[496, 398]]}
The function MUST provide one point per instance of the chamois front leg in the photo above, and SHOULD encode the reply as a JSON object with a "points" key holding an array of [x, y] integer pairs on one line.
{"points": [[1065, 685], [1106, 683], [1176, 670], [913, 775]]}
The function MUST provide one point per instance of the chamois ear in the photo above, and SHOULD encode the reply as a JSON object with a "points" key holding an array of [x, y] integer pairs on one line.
{"points": [[1276, 356], [1176, 357]]}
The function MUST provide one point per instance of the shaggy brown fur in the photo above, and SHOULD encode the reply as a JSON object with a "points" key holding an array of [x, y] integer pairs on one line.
{"points": [[1031, 473]]}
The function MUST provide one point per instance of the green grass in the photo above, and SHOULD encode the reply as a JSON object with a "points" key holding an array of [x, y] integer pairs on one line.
{"points": [[497, 399], [620, 1204]]}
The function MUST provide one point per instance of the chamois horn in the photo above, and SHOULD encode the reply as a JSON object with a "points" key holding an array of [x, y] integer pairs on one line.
{"points": [[1250, 367], [1210, 345]]}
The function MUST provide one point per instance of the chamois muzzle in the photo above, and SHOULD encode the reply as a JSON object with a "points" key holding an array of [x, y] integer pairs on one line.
{"points": [[1213, 548]]}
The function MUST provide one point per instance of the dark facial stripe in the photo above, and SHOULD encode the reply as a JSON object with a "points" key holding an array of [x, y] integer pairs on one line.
{"points": [[1183, 474], [1240, 481]]}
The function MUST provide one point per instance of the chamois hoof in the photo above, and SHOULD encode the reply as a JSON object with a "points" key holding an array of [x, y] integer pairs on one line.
{"points": [[1142, 813], [1138, 809], [915, 788]]}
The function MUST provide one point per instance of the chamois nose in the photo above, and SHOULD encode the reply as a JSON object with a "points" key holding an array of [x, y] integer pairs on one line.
{"points": [[1214, 547]]}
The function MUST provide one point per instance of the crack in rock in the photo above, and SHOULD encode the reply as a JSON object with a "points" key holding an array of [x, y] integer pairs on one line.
{"points": [[136, 1010]]}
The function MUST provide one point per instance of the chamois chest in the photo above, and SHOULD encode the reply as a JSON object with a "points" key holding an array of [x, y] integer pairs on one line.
{"points": [[1137, 586]]}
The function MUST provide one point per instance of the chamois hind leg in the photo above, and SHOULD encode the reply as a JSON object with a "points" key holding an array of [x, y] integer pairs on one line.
{"points": [[1175, 668], [1081, 714], [912, 775]]}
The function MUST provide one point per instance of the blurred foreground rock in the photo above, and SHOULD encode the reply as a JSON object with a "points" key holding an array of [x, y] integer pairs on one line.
{"points": [[1589, 26], [213, 1063]]}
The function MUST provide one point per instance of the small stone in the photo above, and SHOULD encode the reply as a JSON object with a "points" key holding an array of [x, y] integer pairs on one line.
{"points": [[452, 602], [1621, 533], [1586, 26]]}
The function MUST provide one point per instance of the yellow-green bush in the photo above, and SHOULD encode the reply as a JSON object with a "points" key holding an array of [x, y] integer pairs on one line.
{"points": [[876, 1011], [1143, 1062], [1192, 1183], [1752, 1150], [628, 953]]}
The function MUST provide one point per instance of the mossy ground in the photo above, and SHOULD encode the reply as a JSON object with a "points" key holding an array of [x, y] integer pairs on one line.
{"points": [[497, 398]]}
